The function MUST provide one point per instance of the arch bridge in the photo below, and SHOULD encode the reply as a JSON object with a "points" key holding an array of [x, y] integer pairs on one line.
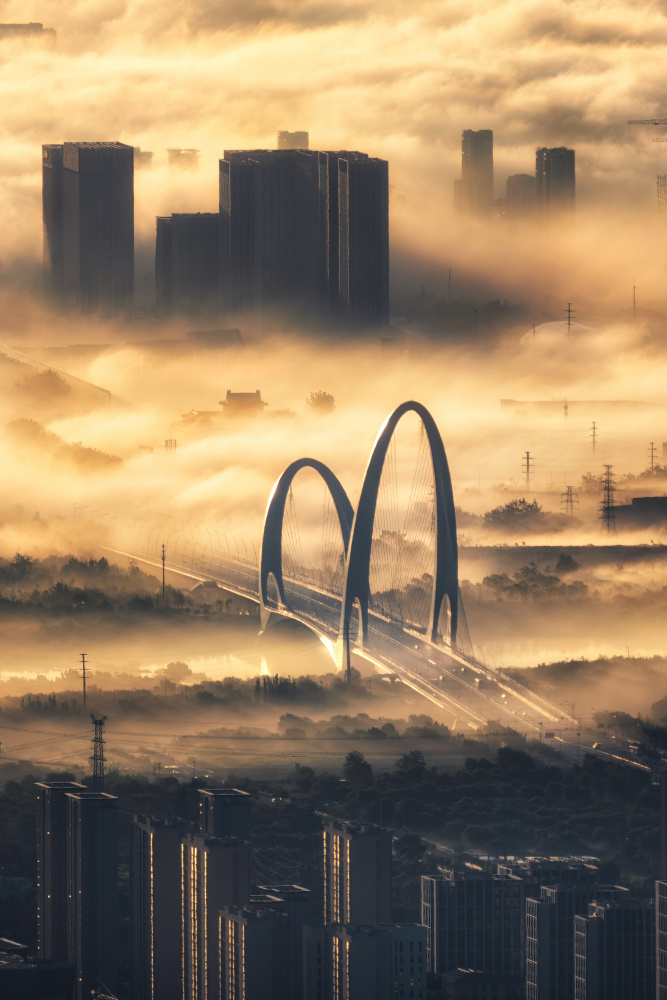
{"points": [[386, 589]]}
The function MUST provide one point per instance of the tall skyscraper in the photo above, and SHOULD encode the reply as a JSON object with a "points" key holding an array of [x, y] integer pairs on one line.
{"points": [[52, 217], [365, 962], [92, 889], [474, 192], [253, 954], [292, 140], [550, 937], [357, 873], [615, 952], [554, 173], [274, 231], [474, 920], [225, 812], [297, 903], [89, 256], [359, 239], [187, 266], [52, 895], [155, 909], [661, 939], [521, 199], [215, 872]]}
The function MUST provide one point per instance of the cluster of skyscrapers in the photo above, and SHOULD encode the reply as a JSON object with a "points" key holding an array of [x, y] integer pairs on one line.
{"points": [[299, 233], [549, 192], [200, 929]]}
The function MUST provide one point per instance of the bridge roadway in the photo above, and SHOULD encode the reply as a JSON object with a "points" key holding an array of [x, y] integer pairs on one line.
{"points": [[472, 693]]}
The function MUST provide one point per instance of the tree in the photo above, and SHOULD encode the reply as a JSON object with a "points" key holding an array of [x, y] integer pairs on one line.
{"points": [[515, 514], [412, 765], [321, 402], [356, 768]]}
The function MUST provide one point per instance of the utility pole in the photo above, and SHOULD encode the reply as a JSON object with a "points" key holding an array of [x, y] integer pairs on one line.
{"points": [[527, 466], [569, 500], [652, 453], [83, 675], [569, 317], [607, 512], [566, 410], [164, 556], [594, 435], [98, 757], [634, 300]]}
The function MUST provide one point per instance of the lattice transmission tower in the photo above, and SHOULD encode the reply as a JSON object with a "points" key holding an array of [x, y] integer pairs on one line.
{"points": [[569, 500], [607, 510], [98, 757]]}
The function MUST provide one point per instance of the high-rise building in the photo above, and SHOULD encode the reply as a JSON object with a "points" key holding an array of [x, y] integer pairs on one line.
{"points": [[550, 937], [183, 159], [274, 231], [52, 895], [359, 239], [52, 217], [615, 952], [92, 888], [253, 954], [187, 266], [554, 174], [155, 909], [215, 872], [225, 812], [365, 962], [474, 192], [474, 920], [357, 873], [88, 206], [521, 199], [661, 939], [292, 140], [297, 903]]}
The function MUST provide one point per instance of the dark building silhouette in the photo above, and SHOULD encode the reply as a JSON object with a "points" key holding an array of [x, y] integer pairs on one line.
{"points": [[661, 937], [474, 191], [643, 512], [274, 231], [359, 239], [143, 159], [365, 962], [550, 937], [52, 896], [521, 198], [225, 812], [293, 140], [52, 217], [183, 159], [187, 266], [253, 954], [22, 978], [554, 174], [474, 920], [92, 889], [32, 31], [88, 206], [357, 873], [296, 902], [155, 909], [615, 952], [215, 873]]}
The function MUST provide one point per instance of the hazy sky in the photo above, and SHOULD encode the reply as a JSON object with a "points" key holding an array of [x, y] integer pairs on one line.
{"points": [[397, 80]]}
